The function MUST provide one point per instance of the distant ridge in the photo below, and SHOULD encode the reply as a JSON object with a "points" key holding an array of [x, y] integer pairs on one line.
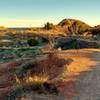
{"points": [[19, 28]]}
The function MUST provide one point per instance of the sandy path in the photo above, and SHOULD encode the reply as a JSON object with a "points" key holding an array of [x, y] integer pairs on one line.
{"points": [[82, 76], [88, 84]]}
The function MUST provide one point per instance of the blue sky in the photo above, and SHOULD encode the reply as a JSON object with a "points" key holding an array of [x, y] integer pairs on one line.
{"points": [[28, 13]]}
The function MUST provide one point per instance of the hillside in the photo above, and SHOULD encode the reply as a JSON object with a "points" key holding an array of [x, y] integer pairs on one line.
{"points": [[65, 27], [73, 26]]}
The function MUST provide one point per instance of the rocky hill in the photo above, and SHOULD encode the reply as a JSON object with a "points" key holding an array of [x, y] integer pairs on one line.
{"points": [[73, 26]]}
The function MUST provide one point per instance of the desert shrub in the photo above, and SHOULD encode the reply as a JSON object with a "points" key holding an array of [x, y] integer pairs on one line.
{"points": [[23, 52], [23, 69], [48, 68], [41, 71], [67, 44], [33, 42], [48, 26], [44, 39], [39, 89], [74, 44], [96, 37]]}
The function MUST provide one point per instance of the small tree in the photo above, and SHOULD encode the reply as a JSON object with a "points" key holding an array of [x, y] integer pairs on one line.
{"points": [[48, 26]]}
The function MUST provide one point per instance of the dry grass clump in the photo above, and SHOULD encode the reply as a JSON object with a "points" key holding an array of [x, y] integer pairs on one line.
{"points": [[40, 71], [35, 77]]}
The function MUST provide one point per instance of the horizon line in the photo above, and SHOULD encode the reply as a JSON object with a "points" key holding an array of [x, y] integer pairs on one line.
{"points": [[27, 23]]}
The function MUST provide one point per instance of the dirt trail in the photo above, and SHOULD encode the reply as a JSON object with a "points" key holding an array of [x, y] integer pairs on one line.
{"points": [[82, 76], [88, 84]]}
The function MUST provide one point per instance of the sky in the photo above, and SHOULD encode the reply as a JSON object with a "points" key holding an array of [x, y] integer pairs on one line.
{"points": [[35, 13]]}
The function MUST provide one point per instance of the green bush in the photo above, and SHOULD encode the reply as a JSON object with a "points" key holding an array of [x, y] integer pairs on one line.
{"points": [[33, 42], [44, 39], [74, 44]]}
